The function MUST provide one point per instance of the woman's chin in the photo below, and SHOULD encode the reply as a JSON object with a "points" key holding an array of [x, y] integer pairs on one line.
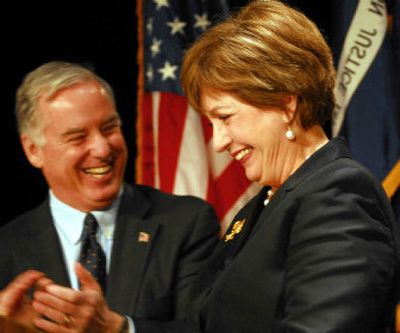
{"points": [[251, 176]]}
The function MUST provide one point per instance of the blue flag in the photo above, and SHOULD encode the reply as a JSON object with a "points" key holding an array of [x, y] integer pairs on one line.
{"points": [[367, 89]]}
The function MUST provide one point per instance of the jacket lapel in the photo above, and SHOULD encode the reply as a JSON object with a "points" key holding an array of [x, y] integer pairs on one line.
{"points": [[249, 216], [44, 247], [229, 246], [133, 238]]}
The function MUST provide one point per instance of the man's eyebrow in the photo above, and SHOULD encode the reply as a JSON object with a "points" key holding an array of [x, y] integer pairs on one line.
{"points": [[79, 130], [72, 131], [112, 119]]}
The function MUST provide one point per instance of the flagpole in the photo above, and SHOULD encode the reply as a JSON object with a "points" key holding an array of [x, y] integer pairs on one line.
{"points": [[140, 90]]}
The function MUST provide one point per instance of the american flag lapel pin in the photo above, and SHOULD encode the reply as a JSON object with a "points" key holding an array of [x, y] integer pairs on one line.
{"points": [[143, 237]]}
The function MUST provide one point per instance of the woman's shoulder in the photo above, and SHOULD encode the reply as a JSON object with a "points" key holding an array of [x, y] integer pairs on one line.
{"points": [[333, 167]]}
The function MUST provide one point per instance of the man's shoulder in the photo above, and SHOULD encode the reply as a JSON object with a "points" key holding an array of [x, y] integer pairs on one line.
{"points": [[158, 197], [25, 222], [151, 204]]}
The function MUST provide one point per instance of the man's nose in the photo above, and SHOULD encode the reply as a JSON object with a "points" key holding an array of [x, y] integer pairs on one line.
{"points": [[99, 145]]}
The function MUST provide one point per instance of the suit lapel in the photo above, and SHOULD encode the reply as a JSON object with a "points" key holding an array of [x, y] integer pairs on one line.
{"points": [[44, 247], [133, 238], [226, 250], [250, 217]]}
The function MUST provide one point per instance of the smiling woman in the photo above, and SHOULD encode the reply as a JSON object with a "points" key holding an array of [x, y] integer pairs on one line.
{"points": [[320, 235], [244, 130]]}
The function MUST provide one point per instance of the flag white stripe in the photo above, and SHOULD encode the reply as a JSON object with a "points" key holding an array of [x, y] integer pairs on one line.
{"points": [[155, 111], [192, 169], [218, 161]]}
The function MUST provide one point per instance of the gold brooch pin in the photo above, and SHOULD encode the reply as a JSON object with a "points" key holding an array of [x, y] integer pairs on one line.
{"points": [[237, 227]]}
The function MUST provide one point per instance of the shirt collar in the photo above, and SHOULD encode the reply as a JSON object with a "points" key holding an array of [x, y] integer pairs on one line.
{"points": [[69, 220]]}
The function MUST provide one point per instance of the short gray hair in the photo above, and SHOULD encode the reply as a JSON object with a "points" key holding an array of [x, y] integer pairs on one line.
{"points": [[48, 79]]}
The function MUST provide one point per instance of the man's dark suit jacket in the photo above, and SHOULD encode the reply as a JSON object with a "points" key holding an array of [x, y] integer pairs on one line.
{"points": [[320, 257], [149, 276]]}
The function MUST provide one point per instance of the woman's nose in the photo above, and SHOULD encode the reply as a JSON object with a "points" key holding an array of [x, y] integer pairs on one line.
{"points": [[221, 139]]}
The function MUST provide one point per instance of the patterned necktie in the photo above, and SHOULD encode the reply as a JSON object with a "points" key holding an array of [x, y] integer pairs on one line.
{"points": [[92, 256]]}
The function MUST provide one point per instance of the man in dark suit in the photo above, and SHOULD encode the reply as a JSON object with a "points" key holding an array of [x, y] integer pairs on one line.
{"points": [[153, 243]]}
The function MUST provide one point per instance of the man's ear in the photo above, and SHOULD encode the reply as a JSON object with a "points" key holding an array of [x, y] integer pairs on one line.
{"points": [[290, 103], [33, 151]]}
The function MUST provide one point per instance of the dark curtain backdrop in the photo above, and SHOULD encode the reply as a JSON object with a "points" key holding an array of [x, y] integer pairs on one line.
{"points": [[102, 34]]}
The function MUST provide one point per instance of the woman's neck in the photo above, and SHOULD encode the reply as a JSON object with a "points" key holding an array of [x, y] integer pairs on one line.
{"points": [[294, 153]]}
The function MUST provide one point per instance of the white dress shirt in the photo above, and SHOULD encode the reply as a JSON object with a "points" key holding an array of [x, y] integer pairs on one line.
{"points": [[69, 223]]}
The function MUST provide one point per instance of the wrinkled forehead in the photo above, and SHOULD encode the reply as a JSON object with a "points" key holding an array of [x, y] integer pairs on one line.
{"points": [[82, 87]]}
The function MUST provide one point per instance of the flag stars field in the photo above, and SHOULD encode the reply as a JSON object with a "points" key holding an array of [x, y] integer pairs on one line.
{"points": [[168, 71], [155, 46], [150, 26], [150, 73], [202, 21], [176, 26], [161, 3]]}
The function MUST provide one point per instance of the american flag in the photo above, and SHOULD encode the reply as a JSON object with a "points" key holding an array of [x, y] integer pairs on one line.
{"points": [[175, 152]]}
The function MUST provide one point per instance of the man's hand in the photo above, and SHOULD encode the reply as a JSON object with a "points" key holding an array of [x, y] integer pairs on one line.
{"points": [[71, 311], [15, 304]]}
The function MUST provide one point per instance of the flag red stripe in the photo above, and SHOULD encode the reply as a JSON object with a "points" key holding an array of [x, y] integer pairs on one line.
{"points": [[172, 116], [227, 188]]}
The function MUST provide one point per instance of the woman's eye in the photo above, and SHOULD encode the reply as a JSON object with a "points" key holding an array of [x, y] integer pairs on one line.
{"points": [[224, 117]]}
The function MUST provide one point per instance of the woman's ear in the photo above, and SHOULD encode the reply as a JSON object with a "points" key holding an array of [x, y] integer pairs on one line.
{"points": [[290, 108]]}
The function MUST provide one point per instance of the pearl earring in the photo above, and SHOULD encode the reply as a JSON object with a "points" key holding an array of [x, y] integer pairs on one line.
{"points": [[290, 135]]}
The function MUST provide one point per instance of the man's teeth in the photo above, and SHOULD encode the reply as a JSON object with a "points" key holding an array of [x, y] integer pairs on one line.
{"points": [[98, 171], [242, 154]]}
